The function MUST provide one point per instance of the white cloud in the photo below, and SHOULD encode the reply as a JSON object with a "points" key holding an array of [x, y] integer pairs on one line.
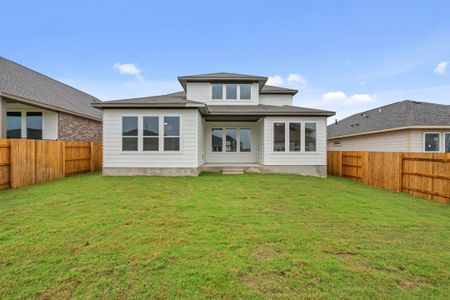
{"points": [[334, 96], [129, 69], [339, 97], [275, 80], [441, 68], [296, 78]]}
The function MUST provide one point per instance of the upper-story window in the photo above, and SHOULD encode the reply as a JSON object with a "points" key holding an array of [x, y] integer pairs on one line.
{"points": [[217, 91], [245, 91], [231, 91]]}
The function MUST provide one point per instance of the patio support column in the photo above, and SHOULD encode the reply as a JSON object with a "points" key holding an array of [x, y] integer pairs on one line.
{"points": [[2, 117]]}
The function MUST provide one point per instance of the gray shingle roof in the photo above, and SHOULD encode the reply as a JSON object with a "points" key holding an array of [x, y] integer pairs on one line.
{"points": [[19, 81], [263, 109], [219, 76], [270, 89], [173, 99], [179, 100], [402, 114]]}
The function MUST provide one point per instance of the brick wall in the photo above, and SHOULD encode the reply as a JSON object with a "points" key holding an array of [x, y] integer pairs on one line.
{"points": [[74, 128]]}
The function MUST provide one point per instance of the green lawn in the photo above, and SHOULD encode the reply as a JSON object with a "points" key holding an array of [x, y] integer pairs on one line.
{"points": [[246, 236]]}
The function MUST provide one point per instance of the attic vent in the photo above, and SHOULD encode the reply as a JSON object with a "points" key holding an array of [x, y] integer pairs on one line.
{"points": [[354, 124], [364, 115], [379, 110]]}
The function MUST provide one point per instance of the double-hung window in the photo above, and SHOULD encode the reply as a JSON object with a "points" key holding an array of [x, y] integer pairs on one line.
{"points": [[310, 137], [34, 125], [432, 142], [171, 133], [13, 125], [151, 133], [447, 142], [295, 136], [129, 133], [289, 136], [279, 137]]}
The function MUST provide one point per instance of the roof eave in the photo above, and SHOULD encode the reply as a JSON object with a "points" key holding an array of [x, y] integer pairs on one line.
{"points": [[389, 130], [47, 106], [185, 79]]}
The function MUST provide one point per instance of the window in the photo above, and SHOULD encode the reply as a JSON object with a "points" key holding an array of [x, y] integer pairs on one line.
{"points": [[431, 142], [245, 140], [278, 137], [294, 137], [151, 134], [231, 143], [171, 133], [245, 91], [217, 91], [34, 125], [447, 142], [216, 140], [310, 137], [14, 125], [231, 91], [129, 133]]}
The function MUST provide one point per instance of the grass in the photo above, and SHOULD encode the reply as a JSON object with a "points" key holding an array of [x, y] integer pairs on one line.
{"points": [[216, 236]]}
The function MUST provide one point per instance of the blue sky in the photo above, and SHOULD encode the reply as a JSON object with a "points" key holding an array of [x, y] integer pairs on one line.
{"points": [[346, 56]]}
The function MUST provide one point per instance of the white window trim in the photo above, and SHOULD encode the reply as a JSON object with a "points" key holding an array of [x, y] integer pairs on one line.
{"points": [[23, 121], [286, 138], [160, 136], [129, 136], [154, 137], [238, 140], [238, 92], [424, 144]]}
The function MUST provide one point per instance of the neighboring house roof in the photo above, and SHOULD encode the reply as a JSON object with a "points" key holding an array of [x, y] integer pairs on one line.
{"points": [[178, 100], [397, 115], [220, 76], [25, 85], [269, 89]]}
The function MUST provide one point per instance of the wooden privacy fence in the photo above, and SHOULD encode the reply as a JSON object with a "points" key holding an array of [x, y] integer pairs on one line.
{"points": [[421, 174], [24, 162]]}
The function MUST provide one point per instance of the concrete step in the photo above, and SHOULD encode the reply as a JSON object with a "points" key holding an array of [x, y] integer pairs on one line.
{"points": [[234, 171]]}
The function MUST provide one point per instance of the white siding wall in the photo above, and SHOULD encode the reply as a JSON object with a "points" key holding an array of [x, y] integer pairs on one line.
{"points": [[49, 119], [407, 140], [261, 141], [202, 92], [274, 99], [201, 139], [295, 158], [112, 141], [231, 157]]}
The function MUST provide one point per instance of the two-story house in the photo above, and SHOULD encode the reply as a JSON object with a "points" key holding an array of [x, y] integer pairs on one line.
{"points": [[220, 122]]}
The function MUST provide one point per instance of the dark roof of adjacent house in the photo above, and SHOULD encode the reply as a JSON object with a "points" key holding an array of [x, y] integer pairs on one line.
{"points": [[397, 115], [178, 100], [25, 85], [220, 76]]}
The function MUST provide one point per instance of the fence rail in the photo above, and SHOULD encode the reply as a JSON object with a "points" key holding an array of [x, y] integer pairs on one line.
{"points": [[421, 174], [25, 162]]}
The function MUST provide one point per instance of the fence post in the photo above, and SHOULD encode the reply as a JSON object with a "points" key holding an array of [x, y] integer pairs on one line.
{"points": [[340, 164], [91, 154], [64, 158], [400, 175]]}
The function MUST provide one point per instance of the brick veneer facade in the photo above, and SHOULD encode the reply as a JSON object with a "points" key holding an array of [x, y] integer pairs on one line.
{"points": [[74, 128]]}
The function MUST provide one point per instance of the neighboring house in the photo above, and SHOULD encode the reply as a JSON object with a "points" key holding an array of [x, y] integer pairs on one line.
{"points": [[219, 121], [406, 126], [35, 106]]}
